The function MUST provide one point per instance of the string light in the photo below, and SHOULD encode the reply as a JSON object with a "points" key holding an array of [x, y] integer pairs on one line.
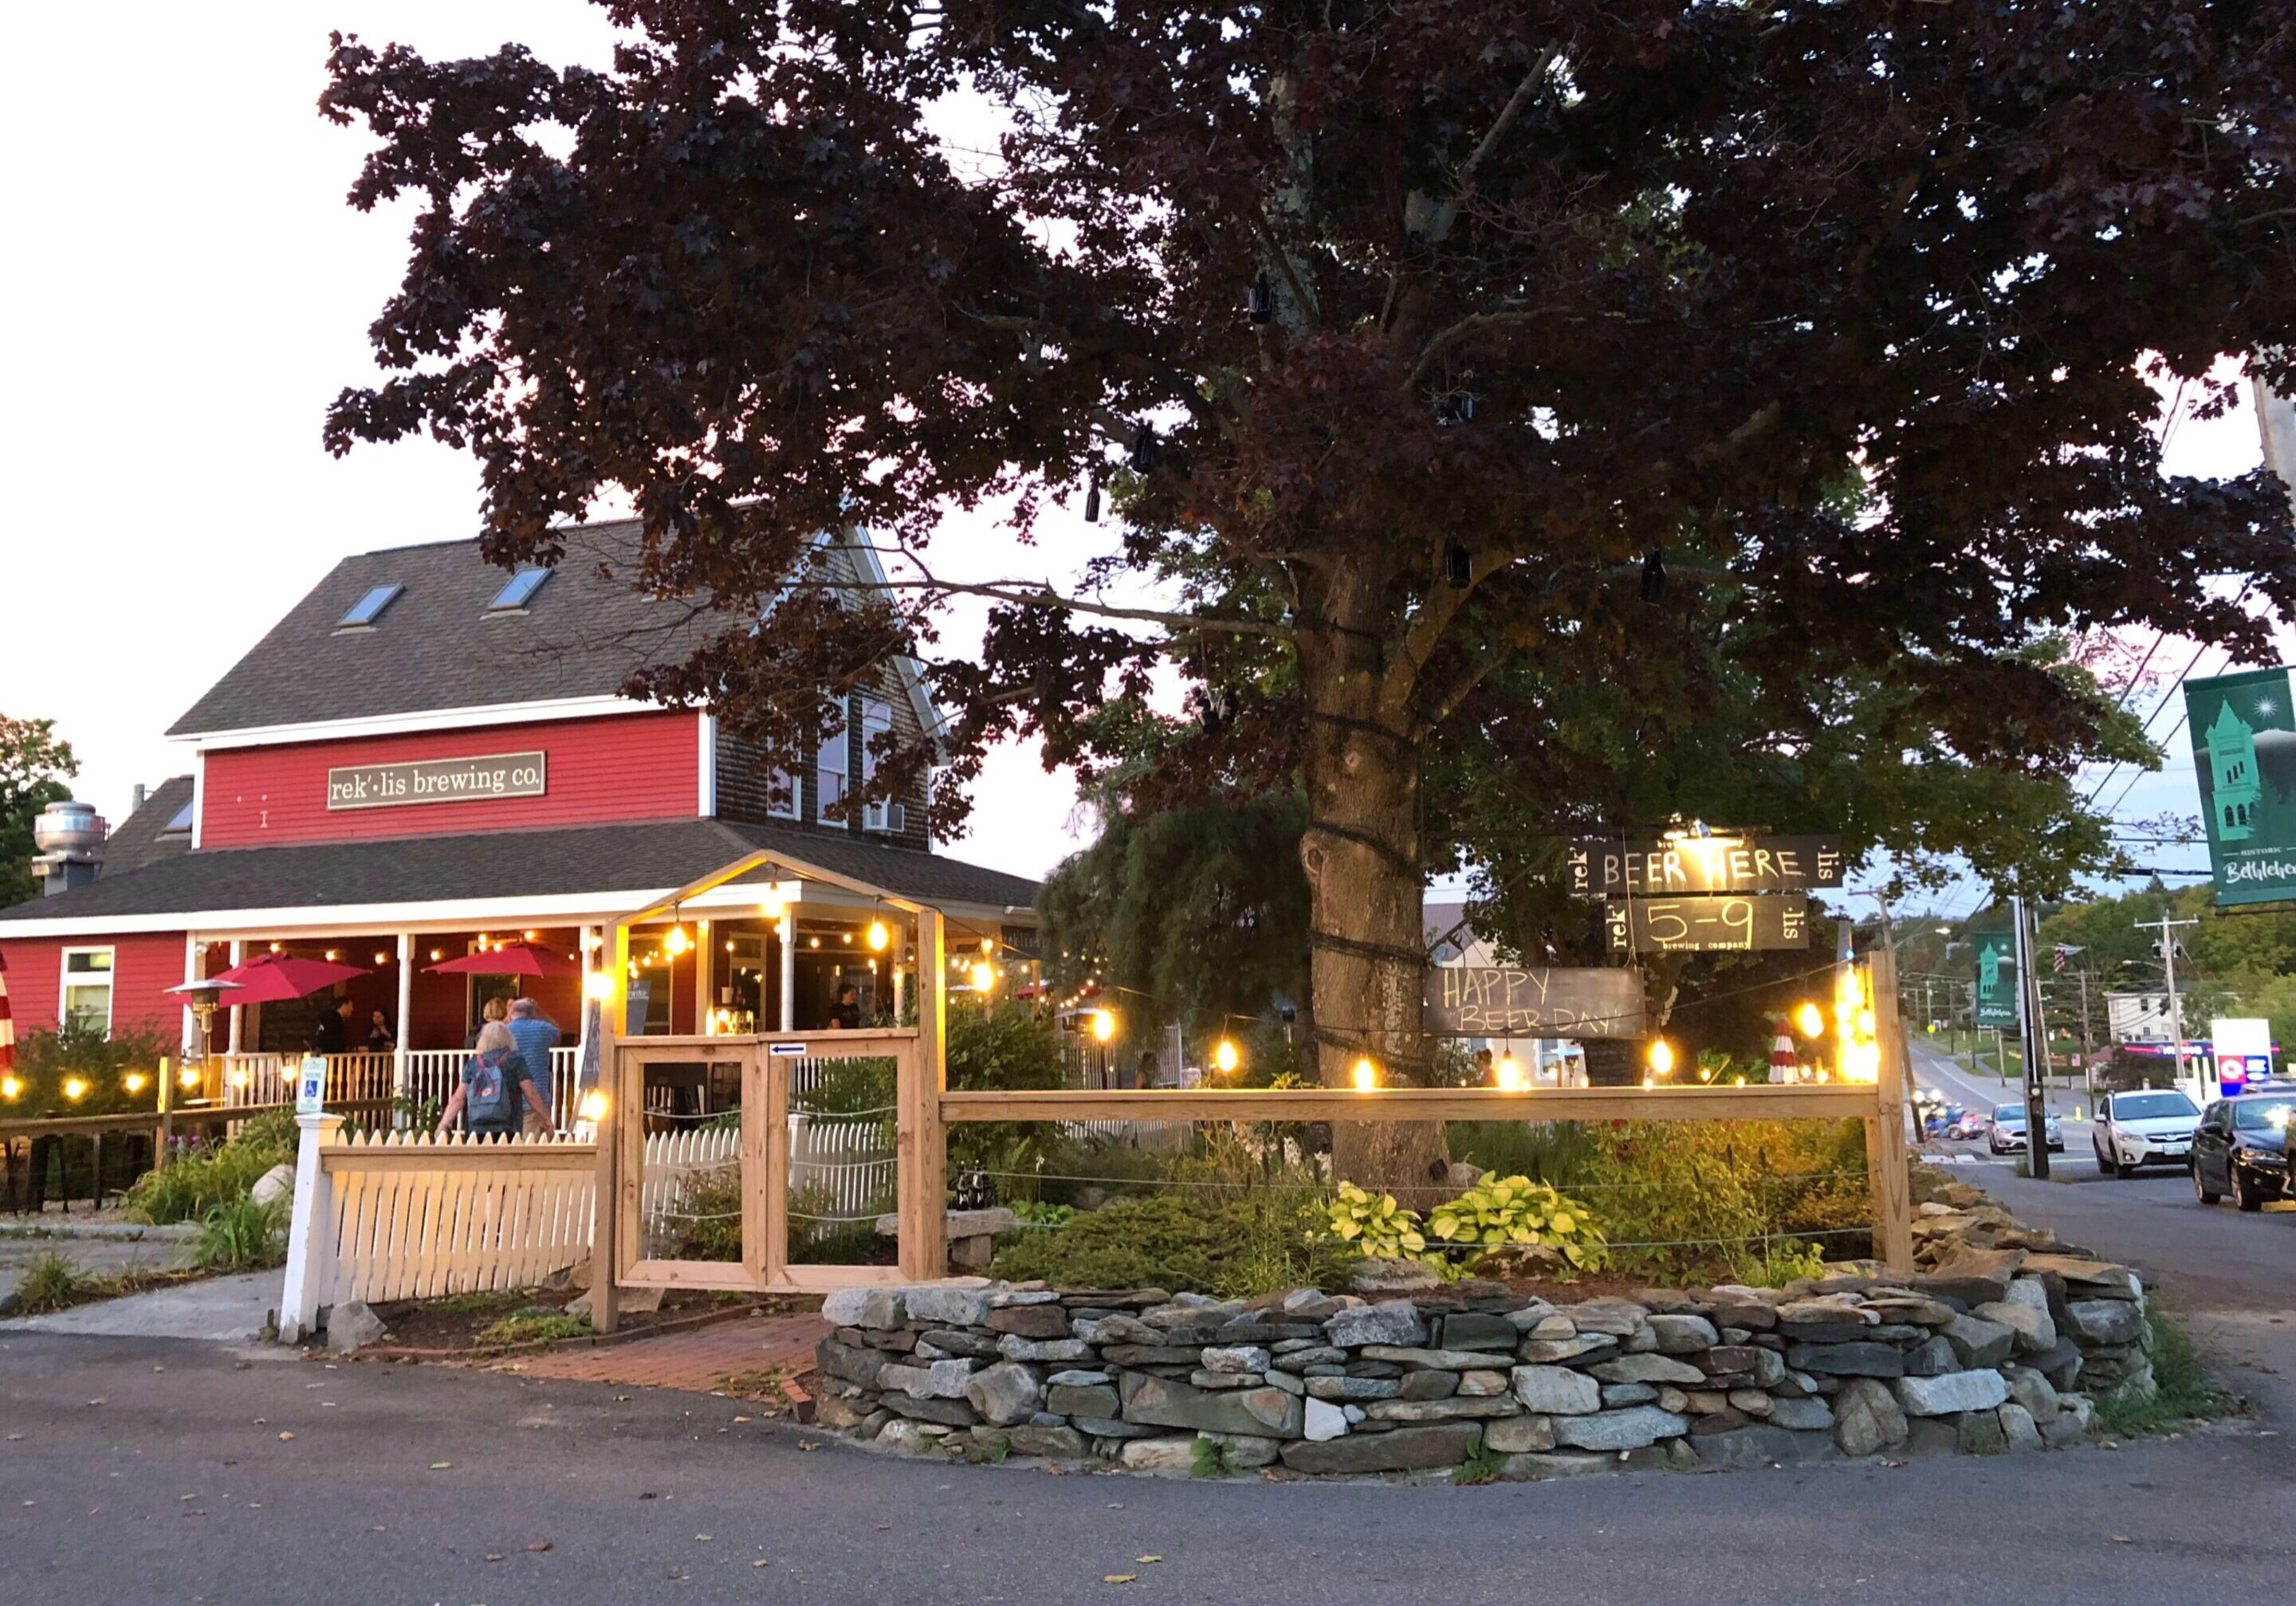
{"points": [[437, 955], [381, 957], [1511, 1077], [189, 1077], [135, 1081], [599, 984], [1367, 1075], [1809, 1019], [1225, 1058], [676, 942], [984, 980], [1103, 1023], [592, 1108], [878, 936], [75, 1088], [333, 955], [12, 1089], [1659, 1057]]}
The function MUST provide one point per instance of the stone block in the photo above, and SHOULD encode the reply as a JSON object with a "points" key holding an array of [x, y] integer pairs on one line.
{"points": [[1564, 1463], [2019, 1432], [1324, 1422], [1174, 1454], [2062, 1365], [1005, 1393], [2036, 1332], [1867, 1417], [1620, 1318], [1544, 1352], [352, 1325], [935, 1379], [1627, 1429], [1310, 1354], [2106, 1320], [1246, 1450], [1973, 1276], [1681, 1333], [1147, 1355], [1648, 1369], [1955, 1392], [1353, 1387], [1373, 1276], [1414, 1449], [1409, 1357], [1726, 1360], [1629, 1394], [1477, 1330], [1978, 1342], [1519, 1434], [1759, 1445], [1482, 1382], [1105, 1427], [948, 1413], [880, 1307], [1848, 1360], [1030, 1320], [939, 1305], [1035, 1438], [1979, 1433], [1237, 1357], [1163, 1402], [1802, 1415], [912, 1437], [1931, 1357], [1428, 1385], [1753, 1402], [945, 1341], [1291, 1383], [1393, 1322], [1457, 1409], [2033, 1391], [1012, 1346], [1204, 1379]]}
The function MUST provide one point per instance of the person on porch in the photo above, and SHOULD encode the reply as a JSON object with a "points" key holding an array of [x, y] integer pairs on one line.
{"points": [[495, 1089], [333, 1035], [380, 1038], [536, 1034]]}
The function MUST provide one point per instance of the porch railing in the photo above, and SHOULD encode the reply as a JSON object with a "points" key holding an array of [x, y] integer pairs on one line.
{"points": [[269, 1078]]}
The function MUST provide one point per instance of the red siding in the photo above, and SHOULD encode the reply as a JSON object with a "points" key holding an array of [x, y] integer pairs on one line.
{"points": [[626, 766], [143, 968]]}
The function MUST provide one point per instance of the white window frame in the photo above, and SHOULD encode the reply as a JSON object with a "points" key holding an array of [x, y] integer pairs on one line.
{"points": [[834, 742], [64, 982], [876, 715], [784, 796]]}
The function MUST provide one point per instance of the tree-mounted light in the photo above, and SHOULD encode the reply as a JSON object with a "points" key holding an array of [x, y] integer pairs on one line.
{"points": [[1458, 566], [1092, 499], [1147, 452], [1653, 575], [1261, 302]]}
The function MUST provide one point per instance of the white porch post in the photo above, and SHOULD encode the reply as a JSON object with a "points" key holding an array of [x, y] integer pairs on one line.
{"points": [[238, 1011], [789, 967], [584, 938], [398, 1050], [194, 969], [705, 981]]}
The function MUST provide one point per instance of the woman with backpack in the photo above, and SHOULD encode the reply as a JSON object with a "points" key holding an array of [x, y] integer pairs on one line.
{"points": [[495, 1088]]}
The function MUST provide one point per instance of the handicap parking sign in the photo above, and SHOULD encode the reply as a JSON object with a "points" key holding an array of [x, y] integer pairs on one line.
{"points": [[311, 1085]]}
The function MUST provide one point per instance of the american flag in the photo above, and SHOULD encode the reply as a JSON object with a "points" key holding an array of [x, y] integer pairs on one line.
{"points": [[7, 1023], [2062, 952]]}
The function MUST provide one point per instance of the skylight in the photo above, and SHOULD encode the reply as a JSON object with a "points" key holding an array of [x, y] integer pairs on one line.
{"points": [[370, 607], [520, 591], [181, 822]]}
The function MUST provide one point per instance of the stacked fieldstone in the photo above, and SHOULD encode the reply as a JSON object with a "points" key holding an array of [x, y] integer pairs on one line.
{"points": [[1979, 1355]]}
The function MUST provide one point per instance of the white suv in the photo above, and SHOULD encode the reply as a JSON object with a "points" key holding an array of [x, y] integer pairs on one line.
{"points": [[2149, 1127]]}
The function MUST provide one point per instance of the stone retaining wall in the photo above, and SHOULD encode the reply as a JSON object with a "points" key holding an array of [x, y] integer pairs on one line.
{"points": [[1981, 1353]]}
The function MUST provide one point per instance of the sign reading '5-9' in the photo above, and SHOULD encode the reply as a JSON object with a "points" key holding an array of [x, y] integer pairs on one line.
{"points": [[1695, 925], [438, 781]]}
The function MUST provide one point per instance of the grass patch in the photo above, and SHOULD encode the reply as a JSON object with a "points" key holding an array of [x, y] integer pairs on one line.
{"points": [[2184, 1391], [492, 1302], [1212, 1460], [241, 1235], [1483, 1465], [532, 1327], [54, 1281]]}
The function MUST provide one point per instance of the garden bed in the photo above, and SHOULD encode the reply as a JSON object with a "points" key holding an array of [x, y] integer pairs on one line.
{"points": [[486, 1325]]}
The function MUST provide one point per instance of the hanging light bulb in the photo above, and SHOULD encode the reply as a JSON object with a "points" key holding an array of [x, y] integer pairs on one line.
{"points": [[75, 1088], [1511, 1077], [675, 943], [189, 1077], [1367, 1075], [1225, 1058], [12, 1089], [984, 977], [878, 936], [1659, 1057], [135, 1081], [1103, 1025]]}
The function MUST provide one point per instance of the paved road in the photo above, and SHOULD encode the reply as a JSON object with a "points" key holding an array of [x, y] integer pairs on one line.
{"points": [[179, 1487]]}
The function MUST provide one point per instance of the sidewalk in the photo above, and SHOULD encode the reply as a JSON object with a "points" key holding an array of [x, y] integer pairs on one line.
{"points": [[222, 1310]]}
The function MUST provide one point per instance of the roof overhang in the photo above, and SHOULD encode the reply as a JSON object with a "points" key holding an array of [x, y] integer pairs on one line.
{"points": [[420, 719]]}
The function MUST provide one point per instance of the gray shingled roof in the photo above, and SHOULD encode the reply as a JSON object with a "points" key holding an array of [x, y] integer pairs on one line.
{"points": [[142, 838], [512, 864], [436, 646]]}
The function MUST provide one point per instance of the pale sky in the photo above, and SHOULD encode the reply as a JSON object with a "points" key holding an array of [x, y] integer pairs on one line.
{"points": [[185, 290]]}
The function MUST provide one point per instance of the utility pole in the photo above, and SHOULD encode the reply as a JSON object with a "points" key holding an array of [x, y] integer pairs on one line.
{"points": [[2089, 1048], [2176, 1011], [2029, 1027]]}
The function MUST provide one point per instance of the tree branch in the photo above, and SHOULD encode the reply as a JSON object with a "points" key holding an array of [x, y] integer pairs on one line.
{"points": [[1472, 324], [1027, 593], [1506, 119]]}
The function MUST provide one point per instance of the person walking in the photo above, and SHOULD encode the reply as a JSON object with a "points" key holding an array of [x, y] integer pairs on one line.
{"points": [[496, 1008], [495, 1088], [536, 1034]]}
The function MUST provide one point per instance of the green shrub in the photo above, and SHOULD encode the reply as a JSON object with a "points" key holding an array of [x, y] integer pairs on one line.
{"points": [[2181, 1389], [1507, 1210], [209, 1175], [1559, 1153], [1378, 1226], [53, 1282], [1230, 1248], [1211, 1459], [241, 1235], [1711, 1199], [530, 1326], [705, 1223], [47, 1059]]}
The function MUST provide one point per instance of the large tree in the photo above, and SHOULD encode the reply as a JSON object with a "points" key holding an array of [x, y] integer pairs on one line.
{"points": [[34, 767], [1416, 344]]}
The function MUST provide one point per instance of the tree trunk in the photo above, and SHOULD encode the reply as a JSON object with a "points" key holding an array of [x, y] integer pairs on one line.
{"points": [[1361, 854]]}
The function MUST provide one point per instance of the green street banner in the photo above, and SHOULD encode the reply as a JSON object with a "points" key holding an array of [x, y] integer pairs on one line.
{"points": [[1996, 978], [2245, 756]]}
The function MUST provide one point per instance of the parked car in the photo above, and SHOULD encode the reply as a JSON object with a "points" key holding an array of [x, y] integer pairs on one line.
{"points": [[2146, 1126], [2241, 1148], [2007, 1136]]}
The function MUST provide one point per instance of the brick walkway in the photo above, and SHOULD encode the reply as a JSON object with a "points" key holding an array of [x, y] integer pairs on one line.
{"points": [[698, 1361]]}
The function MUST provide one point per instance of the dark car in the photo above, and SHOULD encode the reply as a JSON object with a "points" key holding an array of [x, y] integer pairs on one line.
{"points": [[2241, 1148]]}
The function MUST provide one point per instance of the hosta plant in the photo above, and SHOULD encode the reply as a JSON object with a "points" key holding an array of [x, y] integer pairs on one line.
{"points": [[1377, 1226], [1498, 1212]]}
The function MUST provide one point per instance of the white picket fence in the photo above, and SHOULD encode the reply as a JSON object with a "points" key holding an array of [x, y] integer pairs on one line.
{"points": [[1163, 1136]]}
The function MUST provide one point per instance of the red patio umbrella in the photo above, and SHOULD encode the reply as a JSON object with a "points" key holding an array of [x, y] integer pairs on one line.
{"points": [[510, 959], [7, 1023], [275, 978]]}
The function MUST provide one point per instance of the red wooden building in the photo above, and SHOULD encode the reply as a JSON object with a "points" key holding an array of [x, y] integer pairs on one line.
{"points": [[428, 758]]}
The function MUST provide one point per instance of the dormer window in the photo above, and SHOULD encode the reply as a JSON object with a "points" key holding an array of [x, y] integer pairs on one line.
{"points": [[519, 592], [369, 608], [180, 823]]}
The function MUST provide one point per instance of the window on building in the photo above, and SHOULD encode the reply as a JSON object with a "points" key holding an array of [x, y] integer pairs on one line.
{"points": [[369, 608], [876, 720], [86, 1001], [829, 770], [180, 820], [783, 804], [520, 590]]}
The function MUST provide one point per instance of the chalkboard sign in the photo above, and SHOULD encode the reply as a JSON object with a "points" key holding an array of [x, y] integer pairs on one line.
{"points": [[1657, 867], [1518, 1001], [1698, 925]]}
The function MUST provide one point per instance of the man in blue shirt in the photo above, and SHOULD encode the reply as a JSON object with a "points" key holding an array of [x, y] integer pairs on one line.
{"points": [[537, 1035]]}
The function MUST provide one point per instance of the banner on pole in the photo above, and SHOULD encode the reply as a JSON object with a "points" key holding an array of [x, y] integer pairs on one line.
{"points": [[2244, 735], [1997, 979]]}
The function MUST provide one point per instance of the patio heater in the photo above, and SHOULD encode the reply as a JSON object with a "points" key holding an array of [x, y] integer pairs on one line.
{"points": [[203, 998]]}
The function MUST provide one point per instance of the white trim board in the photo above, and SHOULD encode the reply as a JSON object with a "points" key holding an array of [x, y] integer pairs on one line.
{"points": [[415, 721]]}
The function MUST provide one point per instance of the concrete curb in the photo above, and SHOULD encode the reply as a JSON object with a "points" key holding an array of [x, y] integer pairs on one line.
{"points": [[123, 1231]]}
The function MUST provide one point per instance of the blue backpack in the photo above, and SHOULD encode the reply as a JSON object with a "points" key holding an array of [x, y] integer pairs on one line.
{"points": [[486, 1093]]}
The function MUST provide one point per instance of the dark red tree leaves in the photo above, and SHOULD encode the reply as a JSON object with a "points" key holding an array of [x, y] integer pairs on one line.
{"points": [[1840, 305]]}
